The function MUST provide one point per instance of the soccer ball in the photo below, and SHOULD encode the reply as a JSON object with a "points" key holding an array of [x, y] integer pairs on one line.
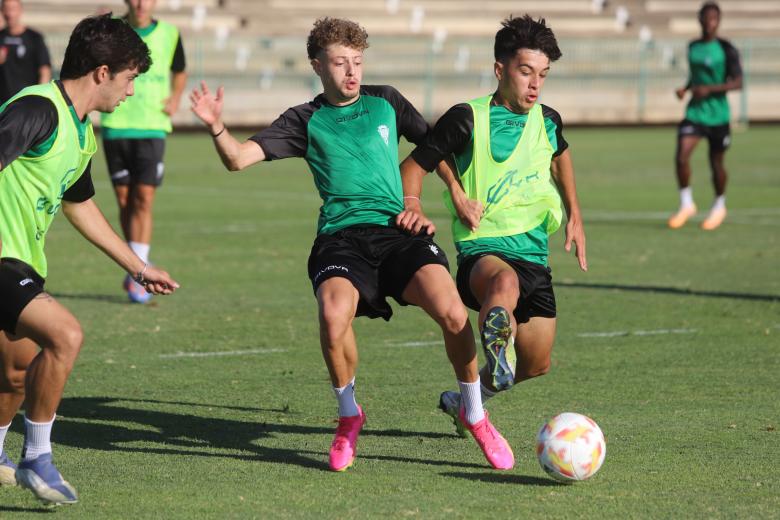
{"points": [[570, 447]]}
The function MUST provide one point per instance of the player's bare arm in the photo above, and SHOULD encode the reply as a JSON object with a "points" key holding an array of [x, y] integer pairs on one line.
{"points": [[469, 210], [44, 74], [234, 154], [412, 218], [562, 172], [178, 84], [87, 218]]}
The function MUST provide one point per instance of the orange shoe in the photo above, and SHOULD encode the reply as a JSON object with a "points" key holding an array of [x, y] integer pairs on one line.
{"points": [[714, 219], [679, 219]]}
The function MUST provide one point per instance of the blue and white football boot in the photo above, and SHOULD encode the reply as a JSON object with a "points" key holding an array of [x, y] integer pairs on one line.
{"points": [[40, 476]]}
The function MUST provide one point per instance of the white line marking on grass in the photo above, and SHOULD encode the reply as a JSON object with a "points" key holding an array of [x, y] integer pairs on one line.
{"points": [[222, 353], [416, 343], [634, 333]]}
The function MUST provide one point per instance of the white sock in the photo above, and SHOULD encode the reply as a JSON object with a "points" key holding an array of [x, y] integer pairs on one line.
{"points": [[686, 197], [471, 401], [37, 438], [346, 396], [486, 392], [3, 432], [142, 250], [720, 203]]}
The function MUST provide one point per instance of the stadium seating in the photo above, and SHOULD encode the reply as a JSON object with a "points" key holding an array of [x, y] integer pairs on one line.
{"points": [[622, 58]]}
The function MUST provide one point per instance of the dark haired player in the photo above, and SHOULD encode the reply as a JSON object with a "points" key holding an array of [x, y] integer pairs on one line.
{"points": [[507, 148], [714, 69], [349, 137], [46, 145]]}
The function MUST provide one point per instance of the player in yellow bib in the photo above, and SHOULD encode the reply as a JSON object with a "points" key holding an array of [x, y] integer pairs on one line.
{"points": [[46, 147], [512, 169], [134, 134]]}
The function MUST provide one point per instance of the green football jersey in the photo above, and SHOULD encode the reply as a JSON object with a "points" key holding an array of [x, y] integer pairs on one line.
{"points": [[352, 152], [711, 63]]}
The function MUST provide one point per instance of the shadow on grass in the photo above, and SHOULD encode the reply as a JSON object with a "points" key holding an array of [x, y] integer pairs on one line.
{"points": [[673, 290], [36, 510], [108, 424], [506, 478]]}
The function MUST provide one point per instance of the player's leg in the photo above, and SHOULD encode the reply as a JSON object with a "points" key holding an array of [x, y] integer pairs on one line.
{"points": [[15, 356], [496, 286], [432, 289], [719, 142], [58, 333], [534, 344], [117, 154], [687, 138], [146, 175], [338, 299]]}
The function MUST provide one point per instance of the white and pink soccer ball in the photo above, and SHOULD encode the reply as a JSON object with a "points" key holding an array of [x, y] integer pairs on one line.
{"points": [[570, 447]]}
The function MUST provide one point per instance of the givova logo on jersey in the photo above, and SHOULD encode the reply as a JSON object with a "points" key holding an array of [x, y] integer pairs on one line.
{"points": [[384, 132]]}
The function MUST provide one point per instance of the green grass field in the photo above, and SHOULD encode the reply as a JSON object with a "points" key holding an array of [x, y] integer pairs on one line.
{"points": [[215, 402]]}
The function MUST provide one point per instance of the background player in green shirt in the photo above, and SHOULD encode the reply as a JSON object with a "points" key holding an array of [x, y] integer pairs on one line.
{"points": [[506, 149], [134, 134], [46, 145], [349, 137], [714, 70]]}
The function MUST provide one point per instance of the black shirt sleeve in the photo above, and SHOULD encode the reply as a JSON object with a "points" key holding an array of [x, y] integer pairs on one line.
{"points": [[733, 66], [408, 121], [288, 135], [41, 52], [179, 63], [555, 117], [451, 134], [24, 124], [83, 189]]}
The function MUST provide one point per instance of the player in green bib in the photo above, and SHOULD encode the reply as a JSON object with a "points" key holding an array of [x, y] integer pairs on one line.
{"points": [[511, 163], [714, 70], [349, 136], [134, 134], [46, 147]]}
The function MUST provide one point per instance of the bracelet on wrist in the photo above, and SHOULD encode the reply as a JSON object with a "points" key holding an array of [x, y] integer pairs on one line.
{"points": [[224, 127], [139, 276]]}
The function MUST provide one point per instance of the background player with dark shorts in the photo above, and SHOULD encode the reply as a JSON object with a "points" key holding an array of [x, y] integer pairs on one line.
{"points": [[506, 149], [714, 70], [349, 137], [134, 134], [46, 148], [24, 58]]}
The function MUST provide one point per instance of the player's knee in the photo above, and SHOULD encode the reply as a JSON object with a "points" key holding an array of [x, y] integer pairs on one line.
{"points": [[505, 283], [453, 316], [12, 380], [67, 342], [534, 369], [143, 200], [335, 318]]}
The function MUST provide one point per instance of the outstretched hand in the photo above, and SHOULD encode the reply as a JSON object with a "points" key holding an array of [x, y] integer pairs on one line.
{"points": [[205, 105], [413, 219], [157, 281]]}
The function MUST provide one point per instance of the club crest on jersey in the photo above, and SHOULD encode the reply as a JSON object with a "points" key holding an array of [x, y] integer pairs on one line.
{"points": [[385, 133]]}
